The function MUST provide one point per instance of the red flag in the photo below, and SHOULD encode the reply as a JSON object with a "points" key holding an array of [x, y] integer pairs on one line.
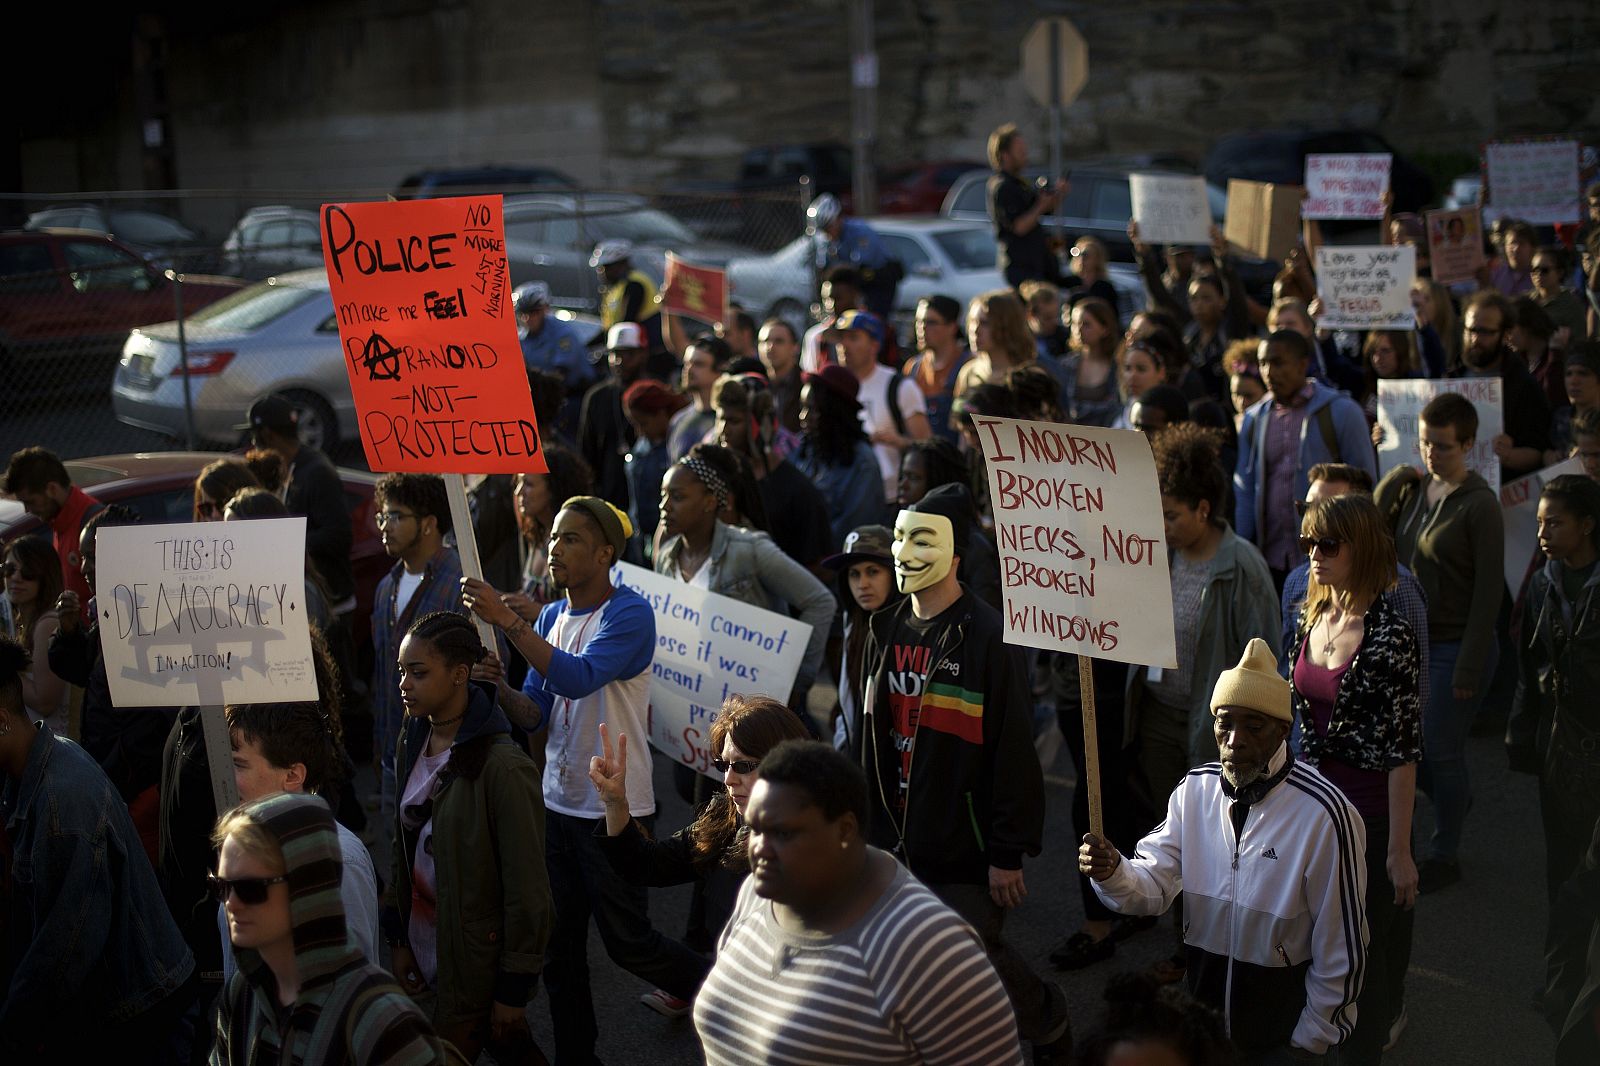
{"points": [[695, 291]]}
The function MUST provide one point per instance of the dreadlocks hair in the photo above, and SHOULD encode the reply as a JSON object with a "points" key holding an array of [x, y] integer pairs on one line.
{"points": [[454, 636], [837, 429]]}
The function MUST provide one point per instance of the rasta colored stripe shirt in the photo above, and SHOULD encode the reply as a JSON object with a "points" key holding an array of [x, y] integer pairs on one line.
{"points": [[954, 786]]}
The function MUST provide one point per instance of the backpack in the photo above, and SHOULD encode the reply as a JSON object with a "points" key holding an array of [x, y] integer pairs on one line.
{"points": [[894, 403], [1330, 439]]}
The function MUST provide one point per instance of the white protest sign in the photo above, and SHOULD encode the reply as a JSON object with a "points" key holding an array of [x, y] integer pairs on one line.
{"points": [[1083, 555], [1455, 244], [1400, 405], [206, 614], [709, 647], [1347, 185], [1366, 286], [1520, 502], [1171, 208], [1536, 181]]}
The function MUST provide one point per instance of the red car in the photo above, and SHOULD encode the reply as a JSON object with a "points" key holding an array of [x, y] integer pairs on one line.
{"points": [[920, 189], [67, 301], [160, 486]]}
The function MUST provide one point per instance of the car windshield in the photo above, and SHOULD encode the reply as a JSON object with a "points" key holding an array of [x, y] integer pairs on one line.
{"points": [[644, 226], [254, 307], [968, 249]]}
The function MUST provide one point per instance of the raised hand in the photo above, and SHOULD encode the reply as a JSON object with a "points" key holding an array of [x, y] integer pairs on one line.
{"points": [[68, 611], [609, 770], [483, 600]]}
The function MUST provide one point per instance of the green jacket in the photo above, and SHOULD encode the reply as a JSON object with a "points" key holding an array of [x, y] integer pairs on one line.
{"points": [[1457, 551], [494, 905], [1238, 603]]}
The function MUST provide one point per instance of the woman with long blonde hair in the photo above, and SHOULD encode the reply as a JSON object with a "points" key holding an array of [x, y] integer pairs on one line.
{"points": [[1355, 675], [997, 332]]}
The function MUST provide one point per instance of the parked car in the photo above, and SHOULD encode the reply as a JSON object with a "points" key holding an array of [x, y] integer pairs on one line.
{"points": [[549, 237], [164, 241], [489, 178], [955, 259], [1099, 203], [1279, 156], [920, 189], [160, 486], [272, 240], [278, 335], [67, 301]]}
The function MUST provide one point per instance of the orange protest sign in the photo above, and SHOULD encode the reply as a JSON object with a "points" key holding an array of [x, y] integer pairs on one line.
{"points": [[423, 301], [695, 291]]}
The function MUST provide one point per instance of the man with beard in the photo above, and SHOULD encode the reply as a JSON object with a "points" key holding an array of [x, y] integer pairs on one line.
{"points": [[1486, 324], [1270, 858], [588, 663]]}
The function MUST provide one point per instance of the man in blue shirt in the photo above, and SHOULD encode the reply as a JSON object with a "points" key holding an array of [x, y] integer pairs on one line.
{"points": [[853, 243], [554, 345]]}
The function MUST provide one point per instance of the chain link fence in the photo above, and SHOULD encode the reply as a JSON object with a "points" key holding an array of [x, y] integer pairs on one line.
{"points": [[146, 321]]}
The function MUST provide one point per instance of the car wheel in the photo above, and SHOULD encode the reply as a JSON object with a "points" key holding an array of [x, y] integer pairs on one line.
{"points": [[319, 428], [792, 312]]}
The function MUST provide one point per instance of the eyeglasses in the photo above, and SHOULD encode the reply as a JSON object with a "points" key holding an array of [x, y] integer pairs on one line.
{"points": [[252, 891], [1326, 545], [9, 569], [207, 509], [388, 518], [738, 766]]}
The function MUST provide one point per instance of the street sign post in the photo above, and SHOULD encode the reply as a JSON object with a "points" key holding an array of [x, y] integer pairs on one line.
{"points": [[1055, 68]]}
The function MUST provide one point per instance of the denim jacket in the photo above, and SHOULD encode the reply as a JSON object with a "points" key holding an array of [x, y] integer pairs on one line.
{"points": [[748, 566], [90, 937]]}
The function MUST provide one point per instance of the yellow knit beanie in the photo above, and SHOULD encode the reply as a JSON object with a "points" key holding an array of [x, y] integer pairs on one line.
{"points": [[1254, 684]]}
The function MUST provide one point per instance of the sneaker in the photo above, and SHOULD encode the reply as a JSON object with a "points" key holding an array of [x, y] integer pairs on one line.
{"points": [[1082, 950], [666, 1004], [1435, 874], [1396, 1027]]}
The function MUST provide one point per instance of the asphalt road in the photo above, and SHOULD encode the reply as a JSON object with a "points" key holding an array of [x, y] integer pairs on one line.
{"points": [[1476, 962]]}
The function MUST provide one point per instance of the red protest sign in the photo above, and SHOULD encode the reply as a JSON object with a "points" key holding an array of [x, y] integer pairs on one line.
{"points": [[423, 301], [694, 291]]}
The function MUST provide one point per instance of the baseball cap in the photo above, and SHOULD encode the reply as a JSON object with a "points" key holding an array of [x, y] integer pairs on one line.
{"points": [[865, 542], [626, 335], [275, 413], [835, 378], [865, 321]]}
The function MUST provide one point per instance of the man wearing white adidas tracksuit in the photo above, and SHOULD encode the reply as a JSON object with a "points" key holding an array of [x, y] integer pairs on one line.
{"points": [[1270, 858]]}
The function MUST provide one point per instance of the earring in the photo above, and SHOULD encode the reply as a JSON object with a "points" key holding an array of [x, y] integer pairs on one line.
{"points": [[844, 845]]}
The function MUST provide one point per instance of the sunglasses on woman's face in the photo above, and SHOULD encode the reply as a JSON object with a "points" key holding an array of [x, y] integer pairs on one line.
{"points": [[738, 766], [251, 891], [1326, 545], [207, 509], [7, 569]]}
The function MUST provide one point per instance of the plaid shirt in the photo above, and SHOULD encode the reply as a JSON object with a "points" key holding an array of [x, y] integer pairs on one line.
{"points": [[440, 591]]}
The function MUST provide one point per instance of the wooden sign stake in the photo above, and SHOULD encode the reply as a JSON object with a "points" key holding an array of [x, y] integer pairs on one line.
{"points": [[1091, 745], [455, 486]]}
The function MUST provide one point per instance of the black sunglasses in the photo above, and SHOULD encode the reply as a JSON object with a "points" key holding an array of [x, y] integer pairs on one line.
{"points": [[1327, 545], [205, 509], [739, 766], [7, 569], [251, 890]]}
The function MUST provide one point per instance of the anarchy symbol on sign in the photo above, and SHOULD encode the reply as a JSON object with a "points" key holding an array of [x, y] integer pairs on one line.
{"points": [[380, 359]]}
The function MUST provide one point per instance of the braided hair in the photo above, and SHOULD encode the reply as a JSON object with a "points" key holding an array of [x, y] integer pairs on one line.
{"points": [[453, 635]]}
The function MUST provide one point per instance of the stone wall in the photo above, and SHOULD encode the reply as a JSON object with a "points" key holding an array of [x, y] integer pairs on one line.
{"points": [[354, 94]]}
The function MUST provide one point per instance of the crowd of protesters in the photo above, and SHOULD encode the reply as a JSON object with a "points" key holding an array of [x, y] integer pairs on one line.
{"points": [[1338, 636]]}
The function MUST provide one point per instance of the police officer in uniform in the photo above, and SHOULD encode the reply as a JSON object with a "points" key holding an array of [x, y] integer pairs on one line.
{"points": [[853, 243], [556, 346]]}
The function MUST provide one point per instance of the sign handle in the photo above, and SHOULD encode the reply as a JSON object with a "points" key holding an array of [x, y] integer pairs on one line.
{"points": [[455, 486], [1091, 745], [219, 758]]}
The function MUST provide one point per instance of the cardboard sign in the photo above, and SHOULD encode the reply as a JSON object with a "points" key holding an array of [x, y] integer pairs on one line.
{"points": [[1347, 185], [1366, 286], [1263, 219], [207, 613], [424, 307], [1171, 208], [1520, 500], [1536, 181], [1083, 554], [709, 647], [694, 291], [1455, 244], [1400, 405]]}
